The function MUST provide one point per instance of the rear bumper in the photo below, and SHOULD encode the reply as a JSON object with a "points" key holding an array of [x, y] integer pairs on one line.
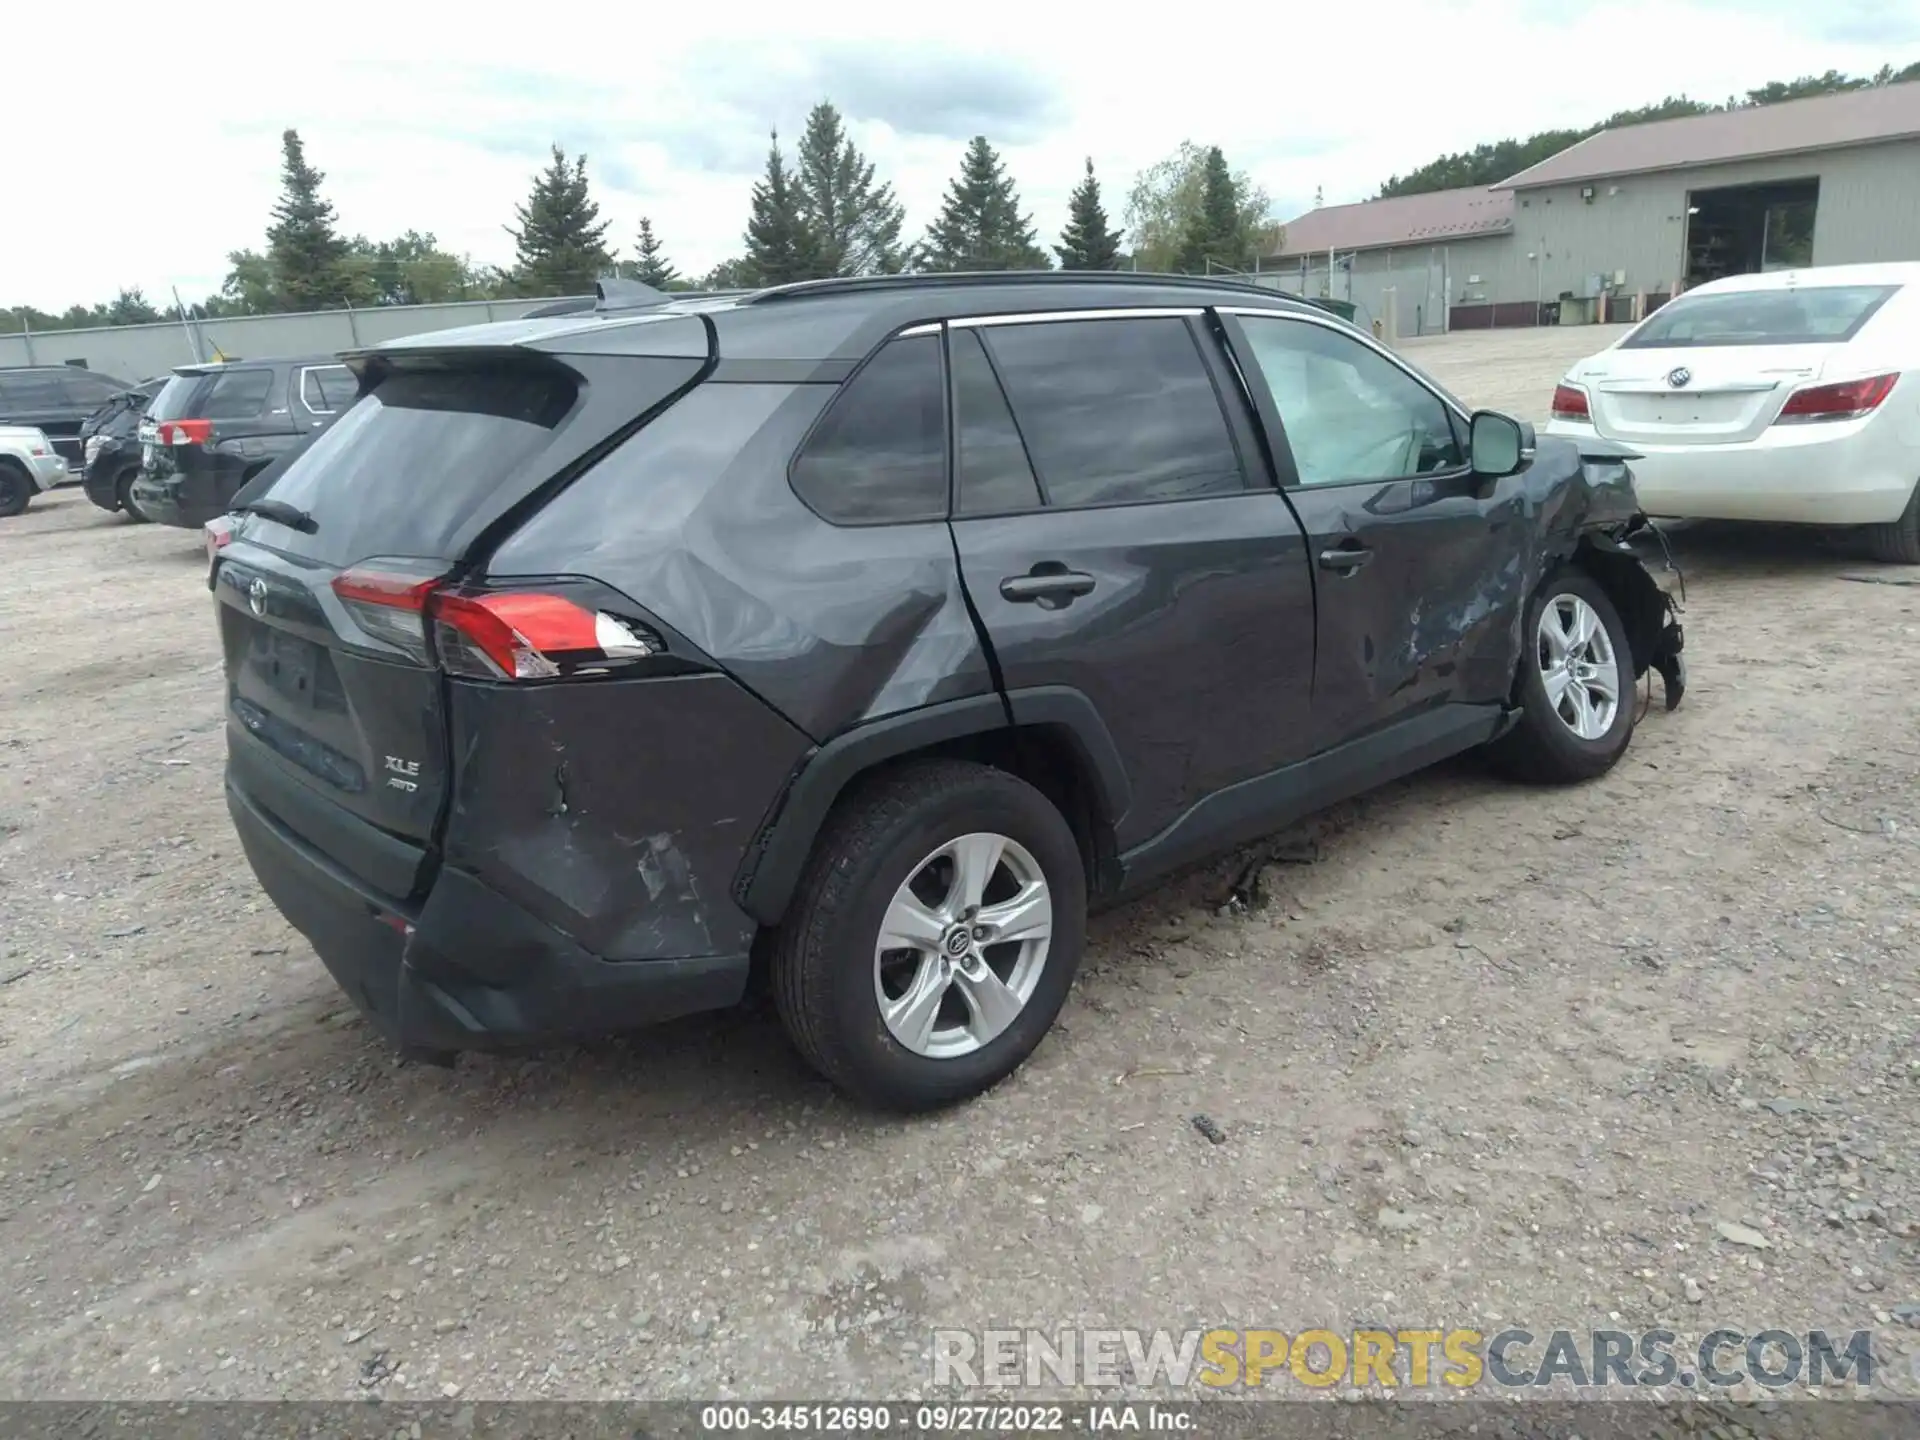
{"points": [[1850, 473], [185, 498], [49, 471], [468, 969]]}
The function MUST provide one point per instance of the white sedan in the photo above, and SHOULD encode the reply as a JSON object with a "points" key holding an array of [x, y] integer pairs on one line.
{"points": [[1791, 396]]}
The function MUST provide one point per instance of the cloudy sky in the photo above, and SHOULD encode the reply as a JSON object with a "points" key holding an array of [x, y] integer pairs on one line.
{"points": [[435, 116]]}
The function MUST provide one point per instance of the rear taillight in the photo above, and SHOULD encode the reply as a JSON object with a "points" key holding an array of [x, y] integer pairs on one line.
{"points": [[1845, 400], [1570, 403], [530, 635], [219, 535], [492, 635], [184, 432], [390, 606]]}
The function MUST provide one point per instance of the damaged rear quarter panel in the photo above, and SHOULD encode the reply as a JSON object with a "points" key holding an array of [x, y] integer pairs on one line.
{"points": [[694, 519], [617, 810]]}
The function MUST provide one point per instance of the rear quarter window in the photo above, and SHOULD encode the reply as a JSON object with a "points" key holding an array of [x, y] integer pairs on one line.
{"points": [[879, 454], [1804, 315]]}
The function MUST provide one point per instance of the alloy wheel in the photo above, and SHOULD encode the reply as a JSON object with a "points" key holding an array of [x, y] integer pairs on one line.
{"points": [[962, 946], [1578, 666]]}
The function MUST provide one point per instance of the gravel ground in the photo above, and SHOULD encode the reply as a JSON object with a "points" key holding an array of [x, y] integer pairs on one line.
{"points": [[1637, 1053]]}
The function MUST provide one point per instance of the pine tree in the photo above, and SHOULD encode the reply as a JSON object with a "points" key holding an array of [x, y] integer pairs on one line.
{"points": [[1213, 232], [650, 265], [304, 252], [980, 225], [1089, 242], [779, 247], [852, 224], [561, 239]]}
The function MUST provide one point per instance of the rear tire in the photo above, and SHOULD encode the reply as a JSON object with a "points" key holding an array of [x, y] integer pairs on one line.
{"points": [[1898, 541], [1571, 728], [123, 492], [916, 849], [16, 489]]}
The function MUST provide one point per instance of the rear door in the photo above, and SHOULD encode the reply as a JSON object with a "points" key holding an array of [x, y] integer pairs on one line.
{"points": [[1118, 535], [1418, 574], [1715, 368], [335, 706]]}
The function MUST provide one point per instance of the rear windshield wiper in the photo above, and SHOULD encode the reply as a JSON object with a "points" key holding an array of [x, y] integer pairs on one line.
{"points": [[289, 515]]}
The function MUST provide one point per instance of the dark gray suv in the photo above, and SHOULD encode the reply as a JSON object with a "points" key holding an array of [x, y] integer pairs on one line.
{"points": [[863, 630]]}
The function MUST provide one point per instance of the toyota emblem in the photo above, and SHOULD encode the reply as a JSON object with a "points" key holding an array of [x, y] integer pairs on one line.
{"points": [[257, 597], [1679, 376]]}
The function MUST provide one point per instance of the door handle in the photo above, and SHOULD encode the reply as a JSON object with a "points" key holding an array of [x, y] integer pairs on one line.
{"points": [[1346, 559], [1049, 588]]}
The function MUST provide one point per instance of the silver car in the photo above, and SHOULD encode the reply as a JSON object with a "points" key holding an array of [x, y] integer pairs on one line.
{"points": [[28, 465]]}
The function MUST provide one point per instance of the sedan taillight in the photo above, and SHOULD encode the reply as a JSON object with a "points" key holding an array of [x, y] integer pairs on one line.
{"points": [[1844, 400], [1570, 403]]}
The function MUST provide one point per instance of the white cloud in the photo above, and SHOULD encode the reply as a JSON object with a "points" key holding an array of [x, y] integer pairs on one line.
{"points": [[423, 116]]}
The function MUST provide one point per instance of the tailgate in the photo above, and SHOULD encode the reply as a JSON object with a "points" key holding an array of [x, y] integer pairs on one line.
{"points": [[336, 703], [316, 712]]}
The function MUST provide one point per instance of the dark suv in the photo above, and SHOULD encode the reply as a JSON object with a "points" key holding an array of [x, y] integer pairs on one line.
{"points": [[111, 446], [885, 621], [56, 400], [215, 427]]}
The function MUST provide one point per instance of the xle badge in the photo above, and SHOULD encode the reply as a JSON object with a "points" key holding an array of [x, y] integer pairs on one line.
{"points": [[403, 774]]}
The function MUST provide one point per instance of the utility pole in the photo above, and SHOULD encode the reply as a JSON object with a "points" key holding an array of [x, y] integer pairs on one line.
{"points": [[193, 338]]}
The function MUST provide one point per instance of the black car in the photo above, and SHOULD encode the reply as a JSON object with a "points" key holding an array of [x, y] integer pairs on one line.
{"points": [[110, 446], [215, 427], [57, 399], [885, 622]]}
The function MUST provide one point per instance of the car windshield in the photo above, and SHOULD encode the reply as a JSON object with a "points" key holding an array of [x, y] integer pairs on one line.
{"points": [[1804, 315]]}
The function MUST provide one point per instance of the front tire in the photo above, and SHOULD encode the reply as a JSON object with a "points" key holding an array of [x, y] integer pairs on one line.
{"points": [[934, 937], [16, 490], [1898, 541], [1575, 687]]}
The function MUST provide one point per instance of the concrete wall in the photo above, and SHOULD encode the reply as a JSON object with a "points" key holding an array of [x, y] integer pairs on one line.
{"points": [[1869, 210], [133, 352]]}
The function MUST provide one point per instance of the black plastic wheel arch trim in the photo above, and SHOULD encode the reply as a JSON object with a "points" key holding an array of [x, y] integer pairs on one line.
{"points": [[770, 873]]}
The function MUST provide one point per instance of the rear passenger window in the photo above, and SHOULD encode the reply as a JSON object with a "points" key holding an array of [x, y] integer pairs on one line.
{"points": [[237, 395], [994, 473], [332, 387], [1116, 412], [879, 454]]}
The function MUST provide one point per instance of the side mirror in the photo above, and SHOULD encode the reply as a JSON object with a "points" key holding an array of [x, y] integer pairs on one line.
{"points": [[1498, 444]]}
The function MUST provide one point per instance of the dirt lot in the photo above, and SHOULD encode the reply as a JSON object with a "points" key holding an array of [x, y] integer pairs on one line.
{"points": [[1499, 1056]]}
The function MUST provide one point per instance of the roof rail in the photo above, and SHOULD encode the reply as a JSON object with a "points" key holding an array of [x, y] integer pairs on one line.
{"points": [[859, 284]]}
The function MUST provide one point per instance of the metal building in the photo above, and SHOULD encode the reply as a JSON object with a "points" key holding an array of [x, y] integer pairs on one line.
{"points": [[1615, 225]]}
